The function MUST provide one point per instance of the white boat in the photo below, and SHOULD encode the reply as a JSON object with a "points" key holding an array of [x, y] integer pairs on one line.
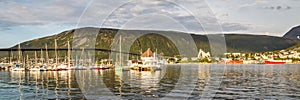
{"points": [[98, 67], [78, 67], [42, 68], [17, 67], [50, 67], [62, 67], [36, 68], [4, 65]]}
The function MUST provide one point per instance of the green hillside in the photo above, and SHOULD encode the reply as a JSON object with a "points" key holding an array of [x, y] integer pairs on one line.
{"points": [[105, 38]]}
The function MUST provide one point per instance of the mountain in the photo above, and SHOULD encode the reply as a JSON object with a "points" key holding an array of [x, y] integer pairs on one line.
{"points": [[294, 33], [257, 43], [150, 39]]}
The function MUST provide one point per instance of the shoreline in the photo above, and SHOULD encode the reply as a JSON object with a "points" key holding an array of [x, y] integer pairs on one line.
{"points": [[231, 64]]}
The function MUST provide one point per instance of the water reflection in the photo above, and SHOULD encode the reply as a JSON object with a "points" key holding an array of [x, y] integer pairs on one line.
{"points": [[39, 85], [190, 81], [260, 82]]}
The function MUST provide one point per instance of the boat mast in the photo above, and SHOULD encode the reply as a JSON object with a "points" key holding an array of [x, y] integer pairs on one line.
{"points": [[55, 50], [42, 58], [109, 57], [76, 59], [10, 58], [120, 50], [88, 59], [47, 56], [19, 51], [81, 58], [27, 61], [69, 54], [35, 59], [155, 54]]}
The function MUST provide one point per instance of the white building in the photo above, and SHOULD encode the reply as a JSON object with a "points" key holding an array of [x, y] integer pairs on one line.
{"points": [[202, 54]]}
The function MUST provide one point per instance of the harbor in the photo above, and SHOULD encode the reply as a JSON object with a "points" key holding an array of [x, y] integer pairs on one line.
{"points": [[149, 50], [149, 62]]}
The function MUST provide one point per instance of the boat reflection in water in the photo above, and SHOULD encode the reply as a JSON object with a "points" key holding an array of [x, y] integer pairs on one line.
{"points": [[39, 85], [170, 82], [189, 81]]}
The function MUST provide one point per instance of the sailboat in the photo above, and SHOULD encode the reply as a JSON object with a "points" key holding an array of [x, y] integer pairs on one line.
{"points": [[119, 65], [34, 66], [104, 66], [79, 64], [69, 56], [61, 66], [99, 67], [18, 66], [54, 65], [10, 61], [47, 59], [42, 67]]}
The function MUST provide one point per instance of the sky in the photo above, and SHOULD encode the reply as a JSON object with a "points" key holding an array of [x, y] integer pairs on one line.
{"points": [[23, 20]]}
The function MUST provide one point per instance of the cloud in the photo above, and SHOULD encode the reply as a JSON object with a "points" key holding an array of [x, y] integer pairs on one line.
{"points": [[16, 13], [278, 7], [234, 27], [193, 14], [269, 5], [202, 20]]}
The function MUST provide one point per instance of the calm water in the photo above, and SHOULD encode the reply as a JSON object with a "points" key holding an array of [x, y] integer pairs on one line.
{"points": [[188, 81]]}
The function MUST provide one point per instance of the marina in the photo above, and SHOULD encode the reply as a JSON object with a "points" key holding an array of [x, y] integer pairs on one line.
{"points": [[149, 50]]}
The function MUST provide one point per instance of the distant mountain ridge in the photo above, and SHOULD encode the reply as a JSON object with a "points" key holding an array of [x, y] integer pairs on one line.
{"points": [[234, 42], [294, 33]]}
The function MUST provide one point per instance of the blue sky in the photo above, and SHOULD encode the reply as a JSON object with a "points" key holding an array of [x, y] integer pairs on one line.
{"points": [[23, 20]]}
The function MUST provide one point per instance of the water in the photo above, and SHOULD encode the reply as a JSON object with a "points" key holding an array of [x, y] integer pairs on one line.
{"points": [[189, 81]]}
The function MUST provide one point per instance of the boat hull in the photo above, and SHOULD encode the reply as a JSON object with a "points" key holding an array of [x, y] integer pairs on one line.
{"points": [[274, 62]]}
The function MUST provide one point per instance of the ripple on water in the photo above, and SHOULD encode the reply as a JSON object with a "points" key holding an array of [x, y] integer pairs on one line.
{"points": [[237, 82]]}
